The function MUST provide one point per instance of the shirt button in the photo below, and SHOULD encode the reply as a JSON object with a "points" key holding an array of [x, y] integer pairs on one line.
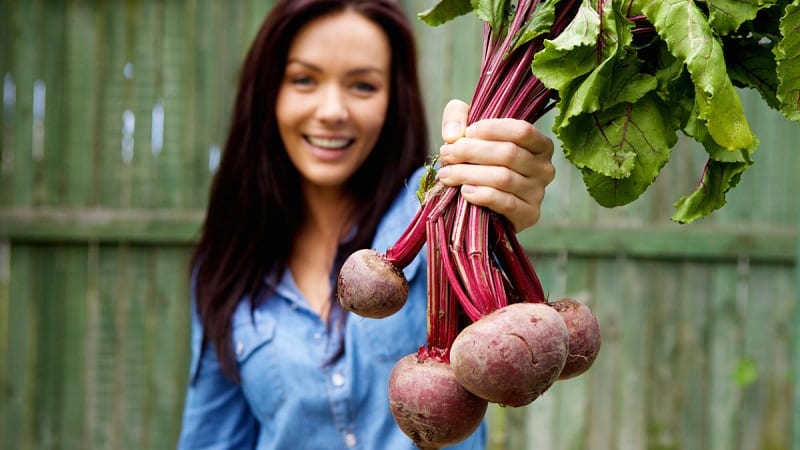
{"points": [[337, 379], [239, 348], [350, 439]]}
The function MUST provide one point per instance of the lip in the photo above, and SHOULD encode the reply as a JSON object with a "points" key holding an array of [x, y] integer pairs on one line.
{"points": [[333, 143], [329, 148]]}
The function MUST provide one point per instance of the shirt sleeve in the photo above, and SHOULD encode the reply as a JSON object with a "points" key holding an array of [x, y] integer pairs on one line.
{"points": [[216, 415]]}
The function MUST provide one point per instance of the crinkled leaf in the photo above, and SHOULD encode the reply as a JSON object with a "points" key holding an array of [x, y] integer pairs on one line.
{"points": [[718, 178], [613, 82], [495, 13], [539, 23], [618, 78], [697, 130], [445, 11], [624, 148], [787, 54], [687, 34], [572, 54], [726, 16], [751, 64]]}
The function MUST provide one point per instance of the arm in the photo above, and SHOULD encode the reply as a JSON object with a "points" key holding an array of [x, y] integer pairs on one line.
{"points": [[502, 164], [216, 414]]}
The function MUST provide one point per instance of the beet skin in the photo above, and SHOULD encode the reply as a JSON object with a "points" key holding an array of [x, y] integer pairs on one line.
{"points": [[429, 404], [584, 336], [512, 355], [370, 286]]}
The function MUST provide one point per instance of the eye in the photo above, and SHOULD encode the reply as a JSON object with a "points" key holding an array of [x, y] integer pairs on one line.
{"points": [[365, 87], [301, 81]]}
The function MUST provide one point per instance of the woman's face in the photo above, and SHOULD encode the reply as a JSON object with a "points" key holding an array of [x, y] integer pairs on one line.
{"points": [[332, 102]]}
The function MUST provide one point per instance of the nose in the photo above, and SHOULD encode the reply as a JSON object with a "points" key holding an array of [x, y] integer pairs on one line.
{"points": [[333, 105]]}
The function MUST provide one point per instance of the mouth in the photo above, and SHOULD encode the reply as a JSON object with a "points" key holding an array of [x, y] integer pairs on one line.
{"points": [[329, 143]]}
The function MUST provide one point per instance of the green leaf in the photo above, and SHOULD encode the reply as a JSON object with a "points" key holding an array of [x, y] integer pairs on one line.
{"points": [[621, 150], [752, 64], [571, 54], [746, 372], [539, 23], [718, 178], [619, 78], [689, 37], [428, 180], [726, 16], [787, 55], [444, 11], [696, 129], [495, 13]]}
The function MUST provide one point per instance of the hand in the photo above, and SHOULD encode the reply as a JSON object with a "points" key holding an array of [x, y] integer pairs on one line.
{"points": [[502, 164]]}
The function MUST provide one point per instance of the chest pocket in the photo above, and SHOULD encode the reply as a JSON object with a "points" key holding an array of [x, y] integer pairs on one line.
{"points": [[254, 347]]}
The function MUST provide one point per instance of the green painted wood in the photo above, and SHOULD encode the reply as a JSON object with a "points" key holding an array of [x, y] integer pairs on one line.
{"points": [[80, 98], [796, 354], [17, 410], [699, 322], [6, 371], [669, 241], [724, 356]]}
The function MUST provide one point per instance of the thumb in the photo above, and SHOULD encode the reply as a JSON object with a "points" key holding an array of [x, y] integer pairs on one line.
{"points": [[454, 120]]}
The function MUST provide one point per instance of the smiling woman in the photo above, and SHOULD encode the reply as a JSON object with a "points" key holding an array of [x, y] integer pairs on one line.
{"points": [[333, 99]]}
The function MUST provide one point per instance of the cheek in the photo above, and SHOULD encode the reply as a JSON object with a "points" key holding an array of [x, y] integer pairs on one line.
{"points": [[373, 121], [288, 111]]}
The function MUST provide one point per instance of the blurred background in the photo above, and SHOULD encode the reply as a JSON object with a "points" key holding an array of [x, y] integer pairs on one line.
{"points": [[114, 114]]}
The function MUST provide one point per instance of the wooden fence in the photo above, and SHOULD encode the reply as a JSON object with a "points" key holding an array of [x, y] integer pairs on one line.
{"points": [[113, 117]]}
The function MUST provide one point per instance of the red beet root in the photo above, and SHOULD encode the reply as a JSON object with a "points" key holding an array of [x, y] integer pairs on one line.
{"points": [[512, 355], [371, 286], [429, 404], [584, 336]]}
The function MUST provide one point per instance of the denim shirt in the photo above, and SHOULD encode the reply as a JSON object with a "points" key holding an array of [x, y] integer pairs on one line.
{"points": [[294, 394]]}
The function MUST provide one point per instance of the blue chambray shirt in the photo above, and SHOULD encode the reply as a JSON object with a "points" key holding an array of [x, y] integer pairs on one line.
{"points": [[291, 395]]}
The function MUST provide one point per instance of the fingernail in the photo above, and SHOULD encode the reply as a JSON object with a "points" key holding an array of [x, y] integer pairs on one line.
{"points": [[444, 172], [444, 150], [451, 131], [467, 189]]}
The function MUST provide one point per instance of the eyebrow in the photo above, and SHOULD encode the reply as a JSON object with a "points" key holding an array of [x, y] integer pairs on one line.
{"points": [[358, 71]]}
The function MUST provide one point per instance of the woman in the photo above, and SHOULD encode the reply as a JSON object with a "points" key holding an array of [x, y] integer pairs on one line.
{"points": [[323, 157]]}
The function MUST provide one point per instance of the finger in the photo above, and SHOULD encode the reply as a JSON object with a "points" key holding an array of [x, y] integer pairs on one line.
{"points": [[454, 120], [489, 153], [520, 213], [502, 154], [495, 177], [520, 132]]}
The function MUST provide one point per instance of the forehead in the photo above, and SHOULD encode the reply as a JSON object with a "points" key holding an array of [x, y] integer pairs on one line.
{"points": [[345, 37]]}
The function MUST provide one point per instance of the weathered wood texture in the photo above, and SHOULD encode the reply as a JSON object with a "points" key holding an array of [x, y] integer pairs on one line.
{"points": [[113, 116]]}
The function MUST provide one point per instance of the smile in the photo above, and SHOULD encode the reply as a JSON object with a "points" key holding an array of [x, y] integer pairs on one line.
{"points": [[329, 143]]}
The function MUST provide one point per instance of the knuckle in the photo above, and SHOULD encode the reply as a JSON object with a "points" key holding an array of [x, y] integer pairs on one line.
{"points": [[549, 173]]}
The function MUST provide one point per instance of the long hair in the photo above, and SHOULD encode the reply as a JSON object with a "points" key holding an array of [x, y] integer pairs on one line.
{"points": [[255, 204]]}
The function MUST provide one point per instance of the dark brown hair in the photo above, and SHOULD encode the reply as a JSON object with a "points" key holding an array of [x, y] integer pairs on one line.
{"points": [[255, 204]]}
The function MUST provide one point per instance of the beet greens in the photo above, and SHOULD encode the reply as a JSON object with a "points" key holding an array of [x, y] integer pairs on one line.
{"points": [[630, 74], [624, 76]]}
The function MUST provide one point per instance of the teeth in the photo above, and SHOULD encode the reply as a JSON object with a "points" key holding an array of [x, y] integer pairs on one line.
{"points": [[329, 143]]}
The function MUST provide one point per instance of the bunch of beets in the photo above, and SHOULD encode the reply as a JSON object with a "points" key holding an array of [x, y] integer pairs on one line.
{"points": [[492, 334]]}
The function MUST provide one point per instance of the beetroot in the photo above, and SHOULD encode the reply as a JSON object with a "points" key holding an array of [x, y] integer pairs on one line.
{"points": [[584, 336], [429, 404], [371, 286], [512, 355]]}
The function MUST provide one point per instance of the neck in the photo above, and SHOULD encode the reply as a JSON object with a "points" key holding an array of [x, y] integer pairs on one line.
{"points": [[326, 222]]}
